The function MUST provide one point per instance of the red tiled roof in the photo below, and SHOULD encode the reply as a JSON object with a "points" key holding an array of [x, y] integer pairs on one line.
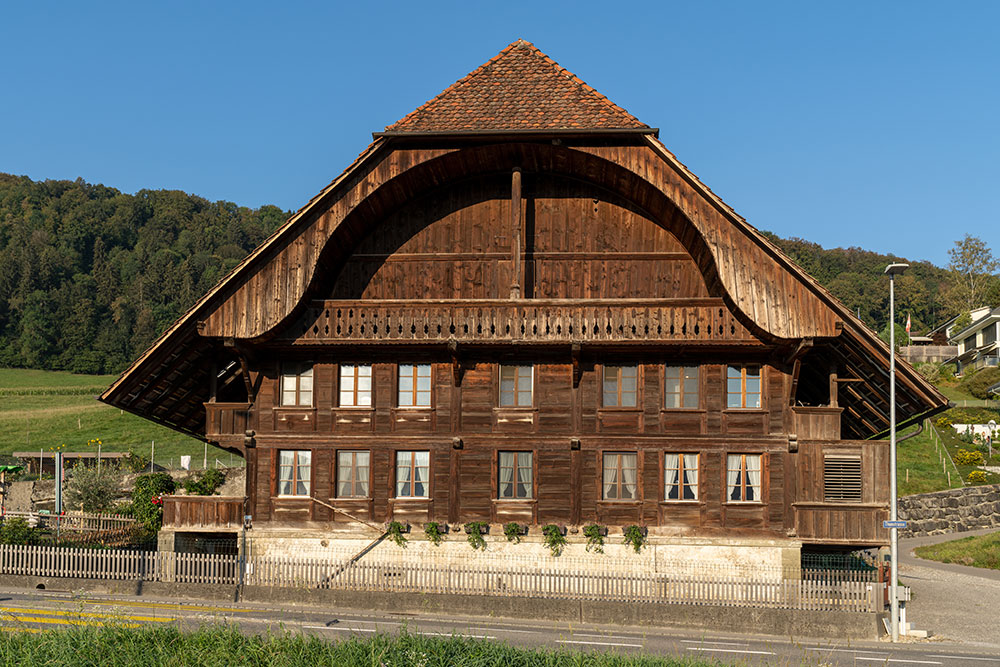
{"points": [[520, 89]]}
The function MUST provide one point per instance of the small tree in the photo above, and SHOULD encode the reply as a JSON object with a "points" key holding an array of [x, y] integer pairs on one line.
{"points": [[146, 503], [90, 491], [972, 266]]}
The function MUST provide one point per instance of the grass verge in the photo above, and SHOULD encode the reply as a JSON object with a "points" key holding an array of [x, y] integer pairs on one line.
{"points": [[225, 645], [982, 551]]}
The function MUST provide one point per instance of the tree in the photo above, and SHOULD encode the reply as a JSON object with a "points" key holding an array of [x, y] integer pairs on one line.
{"points": [[91, 491], [972, 266]]}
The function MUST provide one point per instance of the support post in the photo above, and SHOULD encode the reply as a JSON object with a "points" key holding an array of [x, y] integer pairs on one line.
{"points": [[893, 270], [515, 224]]}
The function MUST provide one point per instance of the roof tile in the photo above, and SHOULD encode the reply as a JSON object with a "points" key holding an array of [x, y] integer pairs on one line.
{"points": [[521, 88]]}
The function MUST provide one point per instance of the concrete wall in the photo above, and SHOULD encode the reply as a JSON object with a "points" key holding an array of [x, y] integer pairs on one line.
{"points": [[968, 508], [740, 557]]}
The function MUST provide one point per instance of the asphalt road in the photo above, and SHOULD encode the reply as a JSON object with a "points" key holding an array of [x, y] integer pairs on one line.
{"points": [[37, 611]]}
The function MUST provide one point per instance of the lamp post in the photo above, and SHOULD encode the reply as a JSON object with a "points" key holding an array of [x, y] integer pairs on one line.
{"points": [[892, 271]]}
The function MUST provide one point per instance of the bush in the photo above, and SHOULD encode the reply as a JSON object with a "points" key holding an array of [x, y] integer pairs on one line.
{"points": [[977, 383], [554, 538], [206, 484], [16, 530], [964, 457], [91, 491], [134, 462], [976, 477], [146, 504]]}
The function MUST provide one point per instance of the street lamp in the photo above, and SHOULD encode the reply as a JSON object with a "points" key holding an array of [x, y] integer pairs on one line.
{"points": [[892, 271]]}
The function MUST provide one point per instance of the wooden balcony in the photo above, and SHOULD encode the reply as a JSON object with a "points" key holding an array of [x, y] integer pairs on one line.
{"points": [[817, 423], [203, 512], [226, 422], [528, 320]]}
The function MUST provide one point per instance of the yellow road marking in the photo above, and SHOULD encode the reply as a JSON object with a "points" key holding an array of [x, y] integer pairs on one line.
{"points": [[64, 621], [164, 605], [14, 611]]}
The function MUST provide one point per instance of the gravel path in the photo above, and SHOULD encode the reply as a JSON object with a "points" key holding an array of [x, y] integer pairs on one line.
{"points": [[953, 602]]}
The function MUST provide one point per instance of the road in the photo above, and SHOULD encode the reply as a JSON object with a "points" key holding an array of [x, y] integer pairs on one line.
{"points": [[36, 611]]}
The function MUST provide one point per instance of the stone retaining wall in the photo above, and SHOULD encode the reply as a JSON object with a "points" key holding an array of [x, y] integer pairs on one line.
{"points": [[968, 508]]}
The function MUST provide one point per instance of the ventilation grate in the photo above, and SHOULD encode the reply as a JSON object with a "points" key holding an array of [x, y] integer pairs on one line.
{"points": [[842, 478]]}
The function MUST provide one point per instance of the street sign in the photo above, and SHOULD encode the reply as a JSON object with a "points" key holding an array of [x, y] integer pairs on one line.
{"points": [[894, 524]]}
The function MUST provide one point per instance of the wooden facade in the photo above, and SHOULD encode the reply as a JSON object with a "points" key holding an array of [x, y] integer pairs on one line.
{"points": [[540, 321]]}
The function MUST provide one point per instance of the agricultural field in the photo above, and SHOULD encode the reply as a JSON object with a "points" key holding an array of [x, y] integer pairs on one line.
{"points": [[40, 410]]}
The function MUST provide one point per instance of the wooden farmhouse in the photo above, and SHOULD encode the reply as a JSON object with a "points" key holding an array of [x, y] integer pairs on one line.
{"points": [[517, 305]]}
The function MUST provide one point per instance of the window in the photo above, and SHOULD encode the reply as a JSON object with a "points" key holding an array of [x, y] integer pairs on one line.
{"points": [[516, 386], [620, 475], [842, 478], [681, 387], [296, 384], [621, 386], [412, 474], [743, 478], [294, 472], [352, 474], [743, 386], [414, 386], [355, 386], [680, 471], [516, 477]]}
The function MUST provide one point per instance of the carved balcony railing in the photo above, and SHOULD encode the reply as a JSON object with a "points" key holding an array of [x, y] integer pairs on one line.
{"points": [[528, 320], [225, 420]]}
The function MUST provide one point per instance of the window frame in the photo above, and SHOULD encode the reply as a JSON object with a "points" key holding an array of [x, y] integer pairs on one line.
{"points": [[638, 387], [532, 486], [516, 392], [412, 467], [681, 484], [303, 367], [743, 387], [354, 466], [682, 394], [743, 479], [414, 391], [619, 483], [295, 480], [355, 391]]}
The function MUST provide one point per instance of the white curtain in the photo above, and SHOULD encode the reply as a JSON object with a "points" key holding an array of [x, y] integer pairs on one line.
{"points": [[671, 468], [506, 474], [303, 465], [691, 476], [285, 462], [610, 477], [628, 475], [403, 463], [753, 475], [524, 475], [732, 475]]}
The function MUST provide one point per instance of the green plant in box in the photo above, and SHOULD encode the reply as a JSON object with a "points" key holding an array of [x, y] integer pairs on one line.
{"points": [[395, 531], [595, 537], [434, 533], [474, 530], [512, 531], [554, 538], [635, 537]]}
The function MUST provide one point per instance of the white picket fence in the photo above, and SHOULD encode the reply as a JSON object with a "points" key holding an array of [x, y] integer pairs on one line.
{"points": [[823, 591], [78, 521]]}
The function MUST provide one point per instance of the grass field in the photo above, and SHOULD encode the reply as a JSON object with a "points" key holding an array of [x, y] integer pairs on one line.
{"points": [[224, 646], [919, 467], [43, 409], [982, 551]]}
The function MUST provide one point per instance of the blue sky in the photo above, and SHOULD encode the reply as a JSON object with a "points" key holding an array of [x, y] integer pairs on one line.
{"points": [[848, 124]]}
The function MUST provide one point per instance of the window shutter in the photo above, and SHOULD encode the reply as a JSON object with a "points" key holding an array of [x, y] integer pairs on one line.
{"points": [[842, 478]]}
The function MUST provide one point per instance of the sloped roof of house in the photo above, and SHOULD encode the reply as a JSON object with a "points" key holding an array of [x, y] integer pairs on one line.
{"points": [[519, 89], [519, 92]]}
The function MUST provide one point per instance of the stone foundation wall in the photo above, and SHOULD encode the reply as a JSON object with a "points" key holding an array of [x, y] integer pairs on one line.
{"points": [[955, 510]]}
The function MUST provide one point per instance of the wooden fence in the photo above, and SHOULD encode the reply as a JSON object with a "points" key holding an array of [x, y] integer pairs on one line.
{"points": [[79, 521], [828, 590]]}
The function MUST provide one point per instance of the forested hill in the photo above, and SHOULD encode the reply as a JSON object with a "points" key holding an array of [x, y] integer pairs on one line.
{"points": [[89, 276]]}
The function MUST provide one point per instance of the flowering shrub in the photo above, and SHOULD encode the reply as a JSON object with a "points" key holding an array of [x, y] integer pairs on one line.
{"points": [[976, 477], [964, 457]]}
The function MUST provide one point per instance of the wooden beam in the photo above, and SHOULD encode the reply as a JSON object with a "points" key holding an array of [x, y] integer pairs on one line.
{"points": [[804, 345], [516, 233]]}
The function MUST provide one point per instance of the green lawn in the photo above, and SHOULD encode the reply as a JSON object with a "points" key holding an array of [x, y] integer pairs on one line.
{"points": [[919, 468], [982, 551], [43, 409], [214, 645]]}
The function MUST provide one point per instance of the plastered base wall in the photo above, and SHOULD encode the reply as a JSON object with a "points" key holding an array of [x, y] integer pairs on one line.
{"points": [[737, 557]]}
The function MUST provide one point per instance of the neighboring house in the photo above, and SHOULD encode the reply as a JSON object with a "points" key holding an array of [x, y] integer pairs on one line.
{"points": [[516, 305], [977, 342]]}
